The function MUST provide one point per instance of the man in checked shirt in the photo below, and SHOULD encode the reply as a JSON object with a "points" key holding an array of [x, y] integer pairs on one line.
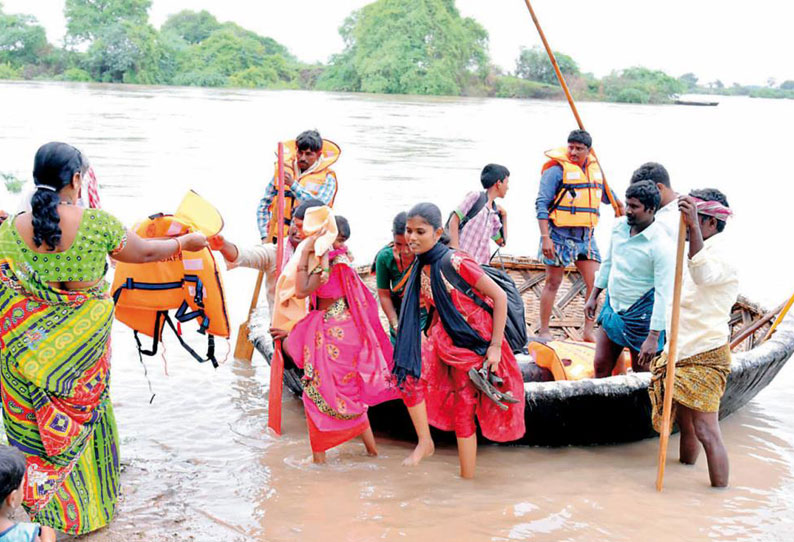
{"points": [[307, 175]]}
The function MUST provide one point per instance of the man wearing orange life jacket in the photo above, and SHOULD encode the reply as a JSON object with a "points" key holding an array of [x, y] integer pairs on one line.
{"points": [[307, 175], [567, 209]]}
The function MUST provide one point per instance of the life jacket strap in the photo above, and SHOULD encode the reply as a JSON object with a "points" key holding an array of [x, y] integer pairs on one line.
{"points": [[163, 318]]}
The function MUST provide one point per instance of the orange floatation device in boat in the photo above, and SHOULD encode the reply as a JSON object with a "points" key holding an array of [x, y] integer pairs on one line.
{"points": [[567, 360], [188, 283]]}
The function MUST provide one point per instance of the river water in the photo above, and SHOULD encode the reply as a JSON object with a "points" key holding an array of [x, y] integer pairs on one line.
{"points": [[198, 463]]}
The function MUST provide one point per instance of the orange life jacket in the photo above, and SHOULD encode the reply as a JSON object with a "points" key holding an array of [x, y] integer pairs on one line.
{"points": [[313, 181], [188, 283], [578, 201], [567, 360]]}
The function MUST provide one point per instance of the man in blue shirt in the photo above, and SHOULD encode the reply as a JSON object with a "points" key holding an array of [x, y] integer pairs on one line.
{"points": [[567, 208], [637, 273]]}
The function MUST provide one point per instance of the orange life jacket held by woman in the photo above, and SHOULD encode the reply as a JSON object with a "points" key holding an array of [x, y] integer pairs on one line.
{"points": [[189, 283], [312, 180], [579, 198]]}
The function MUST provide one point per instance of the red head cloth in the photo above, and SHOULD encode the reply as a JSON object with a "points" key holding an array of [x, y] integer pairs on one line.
{"points": [[712, 208]]}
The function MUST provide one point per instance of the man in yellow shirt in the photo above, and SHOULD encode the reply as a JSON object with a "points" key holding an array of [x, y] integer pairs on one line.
{"points": [[709, 290]]}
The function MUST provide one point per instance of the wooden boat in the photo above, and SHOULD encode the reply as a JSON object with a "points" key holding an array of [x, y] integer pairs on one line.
{"points": [[591, 411], [695, 102]]}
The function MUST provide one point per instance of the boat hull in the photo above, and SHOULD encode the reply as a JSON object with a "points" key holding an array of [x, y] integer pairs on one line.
{"points": [[592, 412]]}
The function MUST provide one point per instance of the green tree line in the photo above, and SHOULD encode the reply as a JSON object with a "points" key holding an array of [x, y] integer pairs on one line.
{"points": [[391, 46]]}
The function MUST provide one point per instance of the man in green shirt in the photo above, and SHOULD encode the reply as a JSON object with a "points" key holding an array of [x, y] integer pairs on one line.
{"points": [[637, 273]]}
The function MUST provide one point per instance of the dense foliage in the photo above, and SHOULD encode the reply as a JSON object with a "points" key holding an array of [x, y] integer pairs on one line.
{"points": [[391, 46], [409, 47]]}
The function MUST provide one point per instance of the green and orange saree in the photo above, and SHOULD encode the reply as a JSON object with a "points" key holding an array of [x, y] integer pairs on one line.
{"points": [[54, 379]]}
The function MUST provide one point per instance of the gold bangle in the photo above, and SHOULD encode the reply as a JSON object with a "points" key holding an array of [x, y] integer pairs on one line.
{"points": [[178, 246]]}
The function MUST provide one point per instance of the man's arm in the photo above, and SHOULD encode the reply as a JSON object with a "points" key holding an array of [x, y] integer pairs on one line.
{"points": [[326, 193], [549, 186], [263, 214], [454, 225], [663, 278], [262, 257], [605, 200], [703, 268], [501, 236]]}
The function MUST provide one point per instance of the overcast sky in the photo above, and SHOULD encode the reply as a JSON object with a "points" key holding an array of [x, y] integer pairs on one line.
{"points": [[745, 42]]}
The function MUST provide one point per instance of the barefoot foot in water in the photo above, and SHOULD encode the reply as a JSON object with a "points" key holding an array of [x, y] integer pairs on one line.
{"points": [[425, 448], [318, 458], [369, 443]]}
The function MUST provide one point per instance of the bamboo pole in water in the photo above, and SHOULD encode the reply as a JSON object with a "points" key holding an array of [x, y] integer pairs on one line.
{"points": [[277, 366], [672, 354], [615, 206]]}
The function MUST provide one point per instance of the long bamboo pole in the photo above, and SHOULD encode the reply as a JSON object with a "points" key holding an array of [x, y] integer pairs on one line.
{"points": [[277, 365], [568, 95], [672, 354], [779, 319]]}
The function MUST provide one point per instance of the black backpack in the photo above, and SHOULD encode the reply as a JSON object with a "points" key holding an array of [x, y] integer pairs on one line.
{"points": [[476, 208], [516, 326]]}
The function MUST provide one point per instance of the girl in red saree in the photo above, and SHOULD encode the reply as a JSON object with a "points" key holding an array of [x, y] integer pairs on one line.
{"points": [[462, 337], [342, 348]]}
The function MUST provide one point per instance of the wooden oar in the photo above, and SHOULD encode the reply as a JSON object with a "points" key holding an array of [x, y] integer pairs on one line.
{"points": [[672, 354], [755, 326], [244, 349], [779, 318], [568, 95], [277, 365]]}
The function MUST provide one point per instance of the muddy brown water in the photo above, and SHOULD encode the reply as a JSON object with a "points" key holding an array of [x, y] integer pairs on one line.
{"points": [[198, 463]]}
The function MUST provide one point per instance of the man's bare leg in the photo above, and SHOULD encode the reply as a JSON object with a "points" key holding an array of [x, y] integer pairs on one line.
{"points": [[553, 280], [606, 355], [707, 430], [424, 447], [689, 449], [369, 442], [587, 269], [467, 454]]}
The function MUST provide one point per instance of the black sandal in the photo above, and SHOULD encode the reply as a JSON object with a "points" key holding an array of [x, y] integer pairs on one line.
{"points": [[480, 382]]}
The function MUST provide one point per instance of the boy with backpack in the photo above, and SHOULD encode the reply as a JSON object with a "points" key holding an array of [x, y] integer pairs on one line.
{"points": [[478, 219]]}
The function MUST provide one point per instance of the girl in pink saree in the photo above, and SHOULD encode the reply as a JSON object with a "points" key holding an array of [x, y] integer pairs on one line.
{"points": [[342, 348]]}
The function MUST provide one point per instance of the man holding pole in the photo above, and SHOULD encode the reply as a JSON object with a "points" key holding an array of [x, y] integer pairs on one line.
{"points": [[567, 208], [709, 289], [638, 276], [307, 175]]}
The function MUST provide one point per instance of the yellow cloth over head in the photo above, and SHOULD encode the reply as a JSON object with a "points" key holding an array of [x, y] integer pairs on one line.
{"points": [[288, 310]]}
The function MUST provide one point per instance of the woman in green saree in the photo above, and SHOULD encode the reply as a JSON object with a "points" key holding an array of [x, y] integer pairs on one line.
{"points": [[55, 320], [392, 271]]}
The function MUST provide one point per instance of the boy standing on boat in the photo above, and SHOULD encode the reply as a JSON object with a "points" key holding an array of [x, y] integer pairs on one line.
{"points": [[478, 219], [637, 274], [307, 175], [709, 290], [667, 215], [567, 208]]}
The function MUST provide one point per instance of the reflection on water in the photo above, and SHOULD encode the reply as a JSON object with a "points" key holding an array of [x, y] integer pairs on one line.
{"points": [[198, 462]]}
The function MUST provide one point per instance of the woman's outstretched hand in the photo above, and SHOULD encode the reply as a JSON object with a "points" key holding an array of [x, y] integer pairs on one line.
{"points": [[193, 242]]}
